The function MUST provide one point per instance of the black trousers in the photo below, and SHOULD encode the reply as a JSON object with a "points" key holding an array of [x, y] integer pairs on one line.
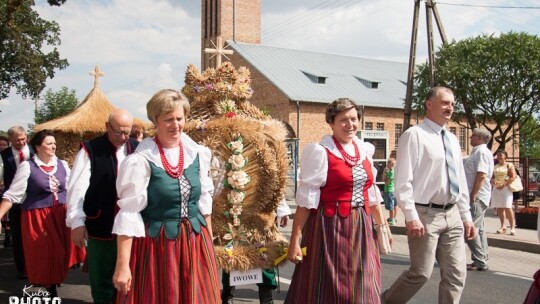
{"points": [[16, 237]]}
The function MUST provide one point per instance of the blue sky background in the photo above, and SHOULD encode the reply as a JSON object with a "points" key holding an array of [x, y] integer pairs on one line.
{"points": [[143, 46]]}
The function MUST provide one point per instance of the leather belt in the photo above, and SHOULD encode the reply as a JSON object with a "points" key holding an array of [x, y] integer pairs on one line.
{"points": [[436, 206]]}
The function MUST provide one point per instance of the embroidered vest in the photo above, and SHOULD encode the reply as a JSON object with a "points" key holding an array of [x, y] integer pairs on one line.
{"points": [[345, 186], [166, 201], [38, 191]]}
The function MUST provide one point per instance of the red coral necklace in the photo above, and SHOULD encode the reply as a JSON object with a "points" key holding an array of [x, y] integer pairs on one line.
{"points": [[350, 160], [172, 171]]}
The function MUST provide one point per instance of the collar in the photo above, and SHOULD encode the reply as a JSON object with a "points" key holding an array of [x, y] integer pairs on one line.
{"points": [[434, 126], [149, 150]]}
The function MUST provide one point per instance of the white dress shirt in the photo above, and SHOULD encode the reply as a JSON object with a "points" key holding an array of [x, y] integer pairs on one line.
{"points": [[421, 173], [79, 183], [134, 176], [480, 160], [314, 171]]}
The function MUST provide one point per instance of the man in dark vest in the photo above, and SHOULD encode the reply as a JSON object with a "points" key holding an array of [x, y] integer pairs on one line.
{"points": [[92, 200], [11, 158]]}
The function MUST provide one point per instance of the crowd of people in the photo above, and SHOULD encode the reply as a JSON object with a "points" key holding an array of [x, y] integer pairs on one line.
{"points": [[137, 212]]}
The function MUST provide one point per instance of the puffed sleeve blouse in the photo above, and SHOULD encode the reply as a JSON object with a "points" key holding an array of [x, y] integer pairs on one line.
{"points": [[134, 176], [314, 170]]}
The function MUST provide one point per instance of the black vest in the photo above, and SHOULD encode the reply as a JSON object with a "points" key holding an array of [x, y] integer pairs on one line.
{"points": [[10, 166], [100, 199]]}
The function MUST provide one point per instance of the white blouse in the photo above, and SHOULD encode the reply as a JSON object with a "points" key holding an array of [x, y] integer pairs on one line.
{"points": [[17, 190], [134, 176], [314, 170]]}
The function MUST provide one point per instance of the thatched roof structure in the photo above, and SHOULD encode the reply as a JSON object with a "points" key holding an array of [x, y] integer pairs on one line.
{"points": [[85, 122], [89, 116]]}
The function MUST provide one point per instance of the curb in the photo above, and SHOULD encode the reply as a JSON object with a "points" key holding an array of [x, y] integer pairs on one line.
{"points": [[492, 241]]}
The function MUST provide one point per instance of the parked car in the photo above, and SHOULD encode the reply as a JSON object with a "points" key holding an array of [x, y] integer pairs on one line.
{"points": [[533, 186]]}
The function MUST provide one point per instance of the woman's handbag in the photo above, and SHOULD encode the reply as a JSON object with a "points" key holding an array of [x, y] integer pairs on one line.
{"points": [[515, 185], [383, 238]]}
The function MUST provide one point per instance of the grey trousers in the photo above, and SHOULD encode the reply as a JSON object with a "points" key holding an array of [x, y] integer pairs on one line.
{"points": [[444, 242], [479, 245]]}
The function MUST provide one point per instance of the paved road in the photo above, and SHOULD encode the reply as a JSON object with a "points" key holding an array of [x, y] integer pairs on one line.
{"points": [[507, 280]]}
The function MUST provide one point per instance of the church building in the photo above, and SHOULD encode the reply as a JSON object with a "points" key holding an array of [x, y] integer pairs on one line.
{"points": [[295, 86]]}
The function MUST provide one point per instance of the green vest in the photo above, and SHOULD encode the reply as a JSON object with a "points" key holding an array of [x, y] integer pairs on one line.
{"points": [[165, 201]]}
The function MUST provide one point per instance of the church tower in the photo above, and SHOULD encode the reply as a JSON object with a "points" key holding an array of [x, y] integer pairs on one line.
{"points": [[237, 20]]}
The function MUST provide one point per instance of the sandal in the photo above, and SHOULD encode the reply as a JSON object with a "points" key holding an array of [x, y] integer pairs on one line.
{"points": [[501, 231], [512, 231]]}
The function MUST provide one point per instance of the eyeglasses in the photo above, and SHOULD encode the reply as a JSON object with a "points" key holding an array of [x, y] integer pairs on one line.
{"points": [[119, 133]]}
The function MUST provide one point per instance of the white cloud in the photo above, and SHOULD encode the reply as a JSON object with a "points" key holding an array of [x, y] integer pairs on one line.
{"points": [[143, 46]]}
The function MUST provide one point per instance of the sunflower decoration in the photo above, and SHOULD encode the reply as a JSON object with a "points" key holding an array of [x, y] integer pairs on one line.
{"points": [[249, 165]]}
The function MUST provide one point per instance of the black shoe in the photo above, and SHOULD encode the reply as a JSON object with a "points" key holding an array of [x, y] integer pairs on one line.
{"points": [[266, 295], [473, 267], [52, 291]]}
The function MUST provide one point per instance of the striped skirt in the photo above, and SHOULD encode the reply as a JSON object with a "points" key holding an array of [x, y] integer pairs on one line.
{"points": [[181, 270], [342, 263], [48, 249]]}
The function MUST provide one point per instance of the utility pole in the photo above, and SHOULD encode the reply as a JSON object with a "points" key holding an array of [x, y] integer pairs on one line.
{"points": [[431, 10]]}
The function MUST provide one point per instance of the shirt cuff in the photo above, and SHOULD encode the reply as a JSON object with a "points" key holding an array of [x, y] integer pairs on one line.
{"points": [[129, 224], [76, 224]]}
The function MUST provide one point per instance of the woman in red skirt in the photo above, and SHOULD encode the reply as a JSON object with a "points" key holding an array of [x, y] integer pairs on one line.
{"points": [[165, 250], [48, 249], [335, 197]]}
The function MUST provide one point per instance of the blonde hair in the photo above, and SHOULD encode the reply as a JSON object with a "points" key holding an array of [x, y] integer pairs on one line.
{"points": [[166, 101]]}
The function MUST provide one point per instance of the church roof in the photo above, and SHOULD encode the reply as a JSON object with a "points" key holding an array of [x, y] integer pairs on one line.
{"points": [[308, 76]]}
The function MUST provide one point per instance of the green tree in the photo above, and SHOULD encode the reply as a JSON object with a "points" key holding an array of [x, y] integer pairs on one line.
{"points": [[56, 104], [495, 79], [529, 138], [24, 37]]}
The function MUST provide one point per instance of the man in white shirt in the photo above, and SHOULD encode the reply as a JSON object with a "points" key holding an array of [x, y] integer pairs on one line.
{"points": [[11, 159], [92, 200], [478, 171], [432, 192]]}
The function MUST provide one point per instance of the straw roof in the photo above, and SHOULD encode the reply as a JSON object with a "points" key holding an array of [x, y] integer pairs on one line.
{"points": [[89, 116]]}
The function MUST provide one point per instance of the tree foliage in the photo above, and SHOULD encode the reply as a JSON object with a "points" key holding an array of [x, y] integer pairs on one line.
{"points": [[28, 53], [529, 135], [495, 80], [56, 104]]}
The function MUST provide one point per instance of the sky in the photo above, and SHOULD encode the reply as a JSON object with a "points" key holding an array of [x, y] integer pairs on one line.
{"points": [[143, 46]]}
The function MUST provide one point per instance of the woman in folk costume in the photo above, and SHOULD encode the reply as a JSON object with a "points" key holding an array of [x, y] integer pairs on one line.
{"points": [[165, 251], [336, 196], [48, 249]]}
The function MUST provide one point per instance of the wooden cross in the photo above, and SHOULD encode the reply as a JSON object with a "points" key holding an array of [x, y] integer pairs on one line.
{"points": [[96, 73], [218, 51]]}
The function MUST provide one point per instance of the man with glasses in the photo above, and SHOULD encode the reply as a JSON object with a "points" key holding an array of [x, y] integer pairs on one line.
{"points": [[92, 200]]}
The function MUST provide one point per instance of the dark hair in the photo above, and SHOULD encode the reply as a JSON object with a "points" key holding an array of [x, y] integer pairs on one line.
{"points": [[339, 105], [38, 138], [502, 152], [4, 138]]}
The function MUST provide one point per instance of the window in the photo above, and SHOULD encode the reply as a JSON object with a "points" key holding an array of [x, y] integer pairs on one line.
{"points": [[368, 126], [462, 137], [380, 126], [316, 79], [397, 134], [453, 130]]}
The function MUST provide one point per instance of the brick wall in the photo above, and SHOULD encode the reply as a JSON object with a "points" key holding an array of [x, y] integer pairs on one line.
{"points": [[217, 20]]}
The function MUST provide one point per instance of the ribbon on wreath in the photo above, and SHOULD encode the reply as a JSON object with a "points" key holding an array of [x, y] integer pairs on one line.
{"points": [[284, 256]]}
